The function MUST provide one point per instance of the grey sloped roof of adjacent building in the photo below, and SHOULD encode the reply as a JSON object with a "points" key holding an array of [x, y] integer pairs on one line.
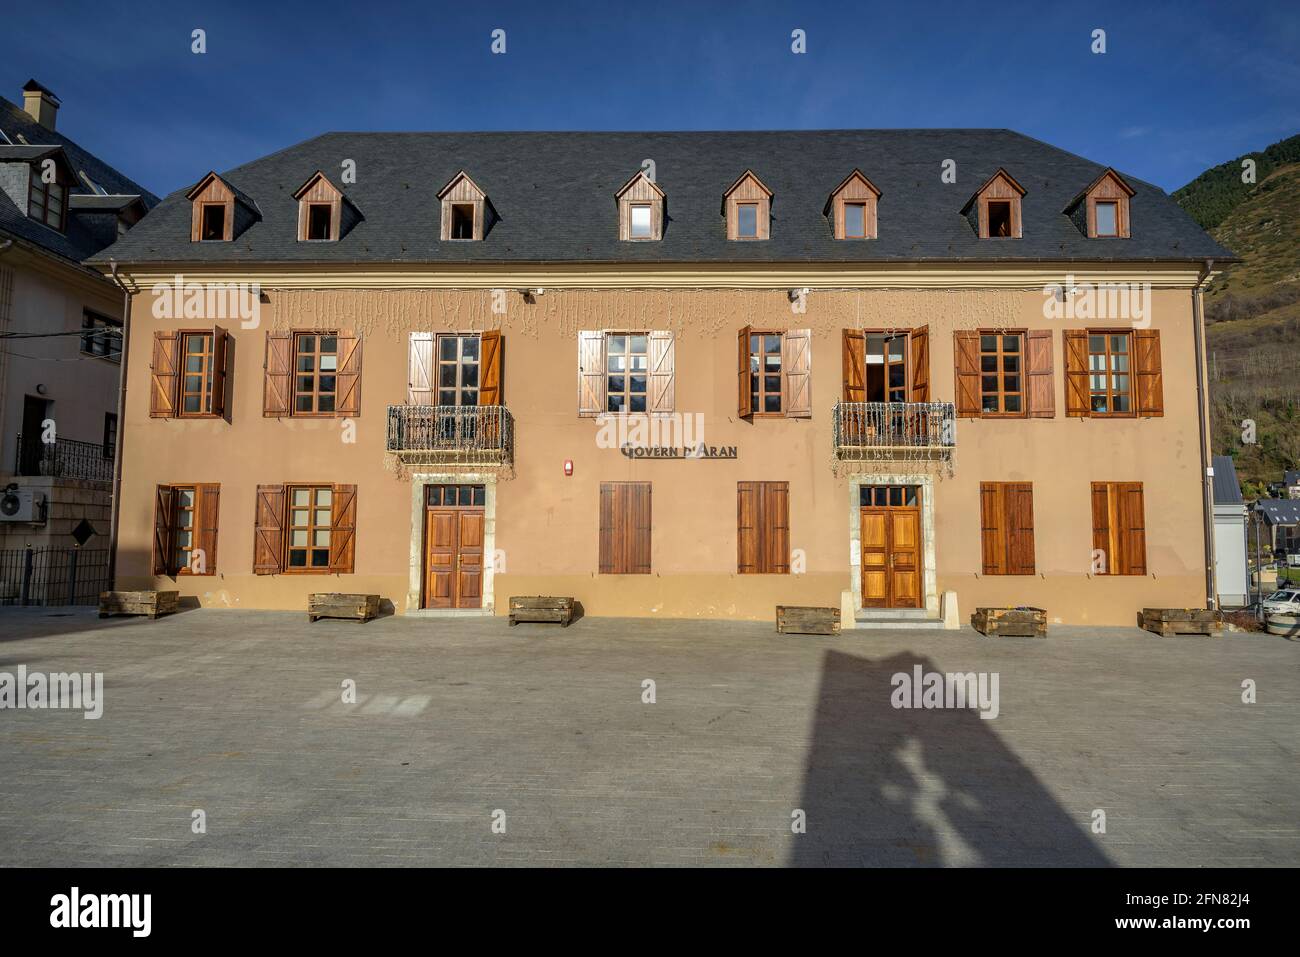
{"points": [[1280, 511], [81, 239], [554, 194], [1227, 490]]}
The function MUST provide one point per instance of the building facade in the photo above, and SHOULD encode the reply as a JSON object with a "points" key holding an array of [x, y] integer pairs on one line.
{"points": [[672, 375], [60, 331]]}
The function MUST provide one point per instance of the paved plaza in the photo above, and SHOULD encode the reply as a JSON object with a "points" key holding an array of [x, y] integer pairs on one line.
{"points": [[471, 743]]}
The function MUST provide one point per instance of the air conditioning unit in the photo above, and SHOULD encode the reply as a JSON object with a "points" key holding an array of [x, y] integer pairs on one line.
{"points": [[22, 505]]}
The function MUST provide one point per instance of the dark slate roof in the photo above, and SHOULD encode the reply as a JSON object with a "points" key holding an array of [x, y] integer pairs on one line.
{"points": [[1227, 490], [81, 239], [1280, 511], [554, 193], [1291, 478]]}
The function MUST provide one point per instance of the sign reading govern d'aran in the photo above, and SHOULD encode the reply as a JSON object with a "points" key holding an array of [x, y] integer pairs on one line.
{"points": [[700, 451]]}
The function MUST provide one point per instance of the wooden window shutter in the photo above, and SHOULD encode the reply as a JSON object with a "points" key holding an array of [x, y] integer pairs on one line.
{"points": [[776, 527], [491, 377], [277, 389], [919, 343], [796, 360], [1040, 385], [1020, 528], [993, 528], [747, 504], [163, 375], [855, 366], [419, 369], [763, 528], [663, 374], [591, 372], [349, 374], [1076, 372], [207, 511], [343, 529], [1007, 528], [1119, 527], [1148, 380], [268, 530], [744, 404], [163, 554], [220, 342], [966, 355], [625, 528]]}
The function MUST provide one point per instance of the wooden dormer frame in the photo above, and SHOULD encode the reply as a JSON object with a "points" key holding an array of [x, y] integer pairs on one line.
{"points": [[461, 190], [1001, 187], [211, 190], [1109, 187], [640, 190], [748, 189], [318, 190], [855, 188]]}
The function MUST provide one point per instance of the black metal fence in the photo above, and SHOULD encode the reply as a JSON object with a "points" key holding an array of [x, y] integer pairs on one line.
{"points": [[474, 433], [52, 576], [64, 458]]}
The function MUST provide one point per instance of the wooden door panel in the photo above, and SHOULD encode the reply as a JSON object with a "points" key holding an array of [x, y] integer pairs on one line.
{"points": [[440, 529], [469, 577], [875, 557], [904, 553]]}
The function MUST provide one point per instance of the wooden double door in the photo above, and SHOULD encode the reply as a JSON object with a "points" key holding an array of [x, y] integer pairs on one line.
{"points": [[454, 517], [890, 526]]}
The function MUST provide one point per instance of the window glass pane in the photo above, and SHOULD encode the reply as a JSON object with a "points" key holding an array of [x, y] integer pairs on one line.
{"points": [[297, 558], [638, 383], [1013, 403], [1119, 343], [1011, 383], [618, 343], [433, 495], [615, 402], [1096, 343], [988, 363], [988, 343], [469, 376], [469, 348], [329, 344], [324, 496], [446, 397], [302, 496], [640, 222], [864, 495], [1011, 363], [464, 495], [855, 219], [326, 403], [1106, 219], [321, 537], [1121, 403], [772, 402], [911, 495], [1010, 343], [298, 538], [882, 494], [329, 363], [747, 220], [895, 495], [320, 557], [989, 403], [480, 494]]}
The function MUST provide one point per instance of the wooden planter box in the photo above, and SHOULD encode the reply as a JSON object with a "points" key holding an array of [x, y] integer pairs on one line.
{"points": [[796, 620], [342, 605], [151, 603], [541, 608], [1182, 621], [1012, 622]]}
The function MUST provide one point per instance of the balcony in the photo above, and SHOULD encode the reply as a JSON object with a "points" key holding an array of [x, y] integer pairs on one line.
{"points": [[905, 432], [482, 435], [64, 458]]}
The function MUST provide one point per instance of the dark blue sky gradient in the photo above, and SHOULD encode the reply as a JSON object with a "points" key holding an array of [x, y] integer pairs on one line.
{"points": [[1182, 87]]}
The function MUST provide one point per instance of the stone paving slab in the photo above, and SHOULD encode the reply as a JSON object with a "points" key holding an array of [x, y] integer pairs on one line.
{"points": [[240, 714]]}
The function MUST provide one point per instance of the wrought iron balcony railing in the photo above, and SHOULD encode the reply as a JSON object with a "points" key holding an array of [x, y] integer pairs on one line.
{"points": [[473, 434], [64, 458], [914, 431]]}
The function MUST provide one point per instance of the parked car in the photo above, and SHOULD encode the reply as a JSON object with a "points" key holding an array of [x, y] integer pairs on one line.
{"points": [[1284, 602]]}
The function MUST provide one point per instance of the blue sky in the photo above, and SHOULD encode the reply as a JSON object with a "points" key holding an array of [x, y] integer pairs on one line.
{"points": [[1182, 86]]}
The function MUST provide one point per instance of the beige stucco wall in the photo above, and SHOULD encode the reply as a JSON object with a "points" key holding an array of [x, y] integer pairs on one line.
{"points": [[546, 523]]}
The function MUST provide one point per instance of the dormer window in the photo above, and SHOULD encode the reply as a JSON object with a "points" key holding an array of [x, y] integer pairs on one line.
{"points": [[466, 212], [324, 213], [47, 202], [640, 209], [1102, 210], [994, 210], [851, 208], [319, 218], [212, 227], [747, 204]]}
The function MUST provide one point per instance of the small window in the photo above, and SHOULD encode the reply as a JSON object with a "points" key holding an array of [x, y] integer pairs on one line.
{"points": [[318, 221], [747, 221], [855, 220], [999, 218], [315, 373], [101, 337], [462, 221], [310, 521], [1002, 383], [47, 202], [1110, 390], [183, 527], [765, 373], [458, 369], [641, 221], [213, 224], [1107, 215], [110, 435], [627, 366]]}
